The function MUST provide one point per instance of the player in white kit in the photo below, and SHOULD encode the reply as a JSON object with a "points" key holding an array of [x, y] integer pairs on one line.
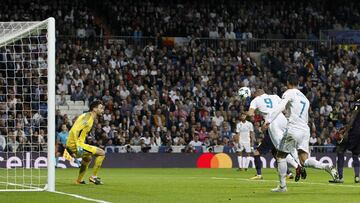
{"points": [[244, 140], [297, 133], [266, 104]]}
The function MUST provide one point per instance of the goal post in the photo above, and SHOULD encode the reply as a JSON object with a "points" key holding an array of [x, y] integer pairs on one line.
{"points": [[51, 104], [27, 106]]}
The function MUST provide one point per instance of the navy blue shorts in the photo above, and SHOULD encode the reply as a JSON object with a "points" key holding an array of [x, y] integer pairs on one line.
{"points": [[266, 145], [351, 143]]}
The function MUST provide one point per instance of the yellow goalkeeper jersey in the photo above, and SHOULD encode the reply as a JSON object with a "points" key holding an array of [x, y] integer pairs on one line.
{"points": [[79, 130]]}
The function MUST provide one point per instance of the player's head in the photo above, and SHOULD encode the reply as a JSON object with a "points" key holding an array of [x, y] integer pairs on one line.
{"points": [[258, 92], [97, 107], [292, 81], [243, 116]]}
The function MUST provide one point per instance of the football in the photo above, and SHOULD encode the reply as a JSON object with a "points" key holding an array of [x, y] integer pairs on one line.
{"points": [[244, 92]]}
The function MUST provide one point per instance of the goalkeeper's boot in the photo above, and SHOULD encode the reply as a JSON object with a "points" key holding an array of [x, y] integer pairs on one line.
{"points": [[279, 189], [357, 179], [80, 182], [256, 177], [95, 180], [337, 181]]}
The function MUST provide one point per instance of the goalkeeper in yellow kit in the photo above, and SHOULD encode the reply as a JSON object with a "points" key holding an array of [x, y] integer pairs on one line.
{"points": [[76, 146]]}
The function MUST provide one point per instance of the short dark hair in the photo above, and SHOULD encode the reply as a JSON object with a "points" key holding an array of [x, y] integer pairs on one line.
{"points": [[293, 79], [95, 104]]}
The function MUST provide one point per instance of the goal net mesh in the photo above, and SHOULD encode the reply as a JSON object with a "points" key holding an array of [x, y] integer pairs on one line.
{"points": [[23, 105]]}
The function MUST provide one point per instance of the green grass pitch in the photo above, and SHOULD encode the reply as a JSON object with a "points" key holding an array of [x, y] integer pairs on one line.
{"points": [[193, 185]]}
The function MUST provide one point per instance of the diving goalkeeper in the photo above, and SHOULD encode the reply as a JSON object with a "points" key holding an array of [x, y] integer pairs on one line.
{"points": [[76, 146]]}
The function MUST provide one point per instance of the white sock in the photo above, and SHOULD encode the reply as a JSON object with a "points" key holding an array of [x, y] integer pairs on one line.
{"points": [[313, 163], [282, 168], [240, 161], [247, 161], [290, 160]]}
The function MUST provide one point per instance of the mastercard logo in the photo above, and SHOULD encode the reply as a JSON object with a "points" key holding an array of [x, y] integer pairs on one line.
{"points": [[209, 160]]}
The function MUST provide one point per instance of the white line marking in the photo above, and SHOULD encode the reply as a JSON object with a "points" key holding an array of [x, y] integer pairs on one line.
{"points": [[81, 197], [275, 181], [30, 188], [40, 189]]}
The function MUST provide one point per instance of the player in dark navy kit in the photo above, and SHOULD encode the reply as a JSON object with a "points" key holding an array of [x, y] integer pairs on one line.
{"points": [[349, 139]]}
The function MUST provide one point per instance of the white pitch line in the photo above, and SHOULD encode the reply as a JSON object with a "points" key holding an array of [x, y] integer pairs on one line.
{"points": [[81, 197], [57, 192], [30, 188], [306, 183]]}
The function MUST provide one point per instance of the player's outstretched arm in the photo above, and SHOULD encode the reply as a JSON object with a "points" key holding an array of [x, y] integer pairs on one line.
{"points": [[251, 112], [280, 108]]}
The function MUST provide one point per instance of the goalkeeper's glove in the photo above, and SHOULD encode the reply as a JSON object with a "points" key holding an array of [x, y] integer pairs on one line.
{"points": [[80, 151], [77, 162]]}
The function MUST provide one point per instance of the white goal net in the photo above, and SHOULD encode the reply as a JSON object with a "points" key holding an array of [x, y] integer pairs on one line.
{"points": [[27, 105]]}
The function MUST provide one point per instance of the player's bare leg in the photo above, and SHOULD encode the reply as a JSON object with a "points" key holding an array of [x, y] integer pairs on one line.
{"points": [[239, 158], [247, 161], [313, 163], [282, 168]]}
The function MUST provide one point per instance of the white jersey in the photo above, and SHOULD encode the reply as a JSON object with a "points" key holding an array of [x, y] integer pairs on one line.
{"points": [[244, 130], [265, 103], [298, 106], [298, 132]]}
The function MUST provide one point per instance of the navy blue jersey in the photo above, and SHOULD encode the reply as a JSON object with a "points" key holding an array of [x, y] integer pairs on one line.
{"points": [[353, 142], [356, 123]]}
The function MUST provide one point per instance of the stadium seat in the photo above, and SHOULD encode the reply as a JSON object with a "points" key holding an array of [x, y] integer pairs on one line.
{"points": [[120, 149], [154, 149], [136, 149], [79, 103], [163, 149], [63, 107], [218, 149], [177, 149], [227, 149], [109, 149], [69, 102]]}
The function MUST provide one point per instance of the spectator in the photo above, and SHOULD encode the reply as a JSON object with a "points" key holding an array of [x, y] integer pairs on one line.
{"points": [[159, 119], [195, 142], [78, 94], [218, 119], [325, 109]]}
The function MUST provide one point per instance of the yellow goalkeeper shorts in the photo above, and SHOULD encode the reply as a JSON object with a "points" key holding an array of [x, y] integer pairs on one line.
{"points": [[84, 150]]}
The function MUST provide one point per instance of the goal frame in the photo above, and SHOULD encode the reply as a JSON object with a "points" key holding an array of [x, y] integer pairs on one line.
{"points": [[49, 24]]}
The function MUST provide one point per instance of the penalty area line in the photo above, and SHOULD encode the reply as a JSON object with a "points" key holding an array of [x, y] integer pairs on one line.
{"points": [[275, 181], [81, 197]]}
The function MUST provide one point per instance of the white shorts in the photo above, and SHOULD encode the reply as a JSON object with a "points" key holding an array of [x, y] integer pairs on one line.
{"points": [[243, 146], [277, 130], [295, 139]]}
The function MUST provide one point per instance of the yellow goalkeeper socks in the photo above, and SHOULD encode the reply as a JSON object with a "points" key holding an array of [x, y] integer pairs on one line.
{"points": [[97, 165], [84, 166]]}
